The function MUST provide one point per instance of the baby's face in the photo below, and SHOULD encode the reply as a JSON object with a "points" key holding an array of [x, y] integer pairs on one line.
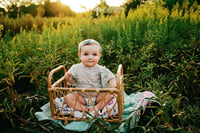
{"points": [[90, 55]]}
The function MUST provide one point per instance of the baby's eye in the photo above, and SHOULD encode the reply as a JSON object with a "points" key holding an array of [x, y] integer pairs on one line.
{"points": [[86, 54], [95, 54]]}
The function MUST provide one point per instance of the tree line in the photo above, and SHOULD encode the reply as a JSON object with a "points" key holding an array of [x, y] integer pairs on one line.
{"points": [[43, 8], [47, 8]]}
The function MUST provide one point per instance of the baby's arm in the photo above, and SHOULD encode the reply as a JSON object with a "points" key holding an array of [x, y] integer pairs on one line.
{"points": [[68, 77], [112, 83]]}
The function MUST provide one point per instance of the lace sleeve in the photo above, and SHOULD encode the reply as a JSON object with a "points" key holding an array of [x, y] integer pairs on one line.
{"points": [[106, 75]]}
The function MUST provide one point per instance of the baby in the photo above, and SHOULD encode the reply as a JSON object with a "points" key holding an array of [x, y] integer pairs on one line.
{"points": [[88, 74]]}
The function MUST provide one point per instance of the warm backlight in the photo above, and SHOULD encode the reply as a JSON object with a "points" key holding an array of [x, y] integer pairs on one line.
{"points": [[85, 5]]}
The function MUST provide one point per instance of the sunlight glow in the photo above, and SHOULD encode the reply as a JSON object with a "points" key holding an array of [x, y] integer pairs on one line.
{"points": [[85, 5]]}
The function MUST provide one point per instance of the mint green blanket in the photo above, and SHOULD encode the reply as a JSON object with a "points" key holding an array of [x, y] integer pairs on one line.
{"points": [[132, 104]]}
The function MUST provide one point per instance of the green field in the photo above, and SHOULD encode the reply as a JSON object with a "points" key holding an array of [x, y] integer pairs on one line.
{"points": [[159, 50]]}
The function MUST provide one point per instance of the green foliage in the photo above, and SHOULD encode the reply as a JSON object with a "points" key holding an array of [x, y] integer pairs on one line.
{"points": [[100, 9], [183, 3], [53, 9], [132, 4], [159, 51], [1, 29]]}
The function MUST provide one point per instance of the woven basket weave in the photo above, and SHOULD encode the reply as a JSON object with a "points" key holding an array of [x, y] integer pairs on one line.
{"points": [[59, 88]]}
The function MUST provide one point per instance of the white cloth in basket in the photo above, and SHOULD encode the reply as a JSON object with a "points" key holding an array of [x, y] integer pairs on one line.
{"points": [[111, 107]]}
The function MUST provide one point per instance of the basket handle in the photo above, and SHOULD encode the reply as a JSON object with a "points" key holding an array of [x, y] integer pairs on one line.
{"points": [[49, 80], [120, 88], [119, 75]]}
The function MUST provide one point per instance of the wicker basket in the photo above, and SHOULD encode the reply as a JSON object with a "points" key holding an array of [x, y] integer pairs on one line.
{"points": [[59, 89]]}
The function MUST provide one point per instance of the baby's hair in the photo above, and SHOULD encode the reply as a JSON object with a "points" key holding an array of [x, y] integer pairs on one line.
{"points": [[88, 41]]}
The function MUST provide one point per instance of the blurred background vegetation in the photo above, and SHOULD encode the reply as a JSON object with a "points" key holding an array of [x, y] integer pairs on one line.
{"points": [[157, 42]]}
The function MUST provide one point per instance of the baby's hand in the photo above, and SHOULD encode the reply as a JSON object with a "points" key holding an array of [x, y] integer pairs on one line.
{"points": [[112, 83], [68, 77]]}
